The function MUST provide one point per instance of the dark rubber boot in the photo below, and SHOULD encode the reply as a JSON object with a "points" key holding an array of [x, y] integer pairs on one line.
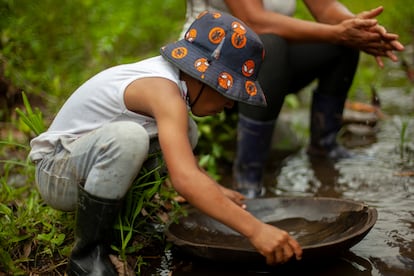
{"points": [[95, 218], [325, 124], [253, 147]]}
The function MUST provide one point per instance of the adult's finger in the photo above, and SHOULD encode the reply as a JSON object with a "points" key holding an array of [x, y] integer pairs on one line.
{"points": [[376, 45], [365, 23], [374, 52], [381, 53], [385, 35], [379, 61], [371, 13], [379, 29], [391, 55], [381, 46], [390, 36], [397, 45]]}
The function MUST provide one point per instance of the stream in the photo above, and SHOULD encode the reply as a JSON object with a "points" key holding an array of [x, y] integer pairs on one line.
{"points": [[381, 175]]}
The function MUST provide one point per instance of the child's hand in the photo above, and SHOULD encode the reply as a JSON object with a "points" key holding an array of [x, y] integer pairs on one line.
{"points": [[275, 244], [235, 196]]}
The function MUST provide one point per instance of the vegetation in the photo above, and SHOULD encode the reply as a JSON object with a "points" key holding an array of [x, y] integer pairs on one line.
{"points": [[47, 48]]}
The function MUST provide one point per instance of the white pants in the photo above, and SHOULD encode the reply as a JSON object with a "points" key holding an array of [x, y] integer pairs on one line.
{"points": [[106, 161]]}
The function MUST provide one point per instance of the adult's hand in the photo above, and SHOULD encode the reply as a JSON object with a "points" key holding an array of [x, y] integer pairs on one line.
{"points": [[357, 33], [388, 45], [370, 37], [388, 42]]}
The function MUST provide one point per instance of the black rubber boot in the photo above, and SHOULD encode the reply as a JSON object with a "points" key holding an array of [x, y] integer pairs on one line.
{"points": [[253, 147], [95, 218], [325, 124]]}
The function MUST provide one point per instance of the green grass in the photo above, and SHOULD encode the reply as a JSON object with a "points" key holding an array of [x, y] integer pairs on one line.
{"points": [[34, 238]]}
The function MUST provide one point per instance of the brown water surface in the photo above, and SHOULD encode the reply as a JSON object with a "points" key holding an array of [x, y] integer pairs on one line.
{"points": [[381, 175]]}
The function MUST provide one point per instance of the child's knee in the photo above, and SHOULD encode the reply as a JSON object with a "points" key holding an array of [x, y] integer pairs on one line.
{"points": [[131, 140]]}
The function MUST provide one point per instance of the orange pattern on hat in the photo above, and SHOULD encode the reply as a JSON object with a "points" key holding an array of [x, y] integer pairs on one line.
{"points": [[202, 14], [238, 27], [216, 34], [201, 65], [216, 15], [191, 35], [251, 88], [179, 52], [248, 68], [225, 80], [238, 39]]}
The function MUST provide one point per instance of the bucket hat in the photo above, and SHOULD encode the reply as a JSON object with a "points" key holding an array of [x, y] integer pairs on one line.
{"points": [[222, 52]]}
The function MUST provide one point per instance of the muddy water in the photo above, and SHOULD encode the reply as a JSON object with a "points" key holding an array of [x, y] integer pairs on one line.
{"points": [[379, 178], [380, 175]]}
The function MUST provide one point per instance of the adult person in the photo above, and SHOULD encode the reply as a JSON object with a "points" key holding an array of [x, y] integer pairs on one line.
{"points": [[101, 137], [297, 53]]}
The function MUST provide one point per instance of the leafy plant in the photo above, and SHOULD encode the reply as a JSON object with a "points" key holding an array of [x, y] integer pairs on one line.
{"points": [[53, 46], [402, 126], [146, 204], [217, 135], [30, 231], [32, 119]]}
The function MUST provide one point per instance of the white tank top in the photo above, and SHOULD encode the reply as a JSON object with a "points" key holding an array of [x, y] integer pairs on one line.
{"points": [[195, 7], [100, 100]]}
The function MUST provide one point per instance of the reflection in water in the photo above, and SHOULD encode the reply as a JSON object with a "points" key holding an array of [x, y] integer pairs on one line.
{"points": [[375, 177], [348, 265], [301, 176]]}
